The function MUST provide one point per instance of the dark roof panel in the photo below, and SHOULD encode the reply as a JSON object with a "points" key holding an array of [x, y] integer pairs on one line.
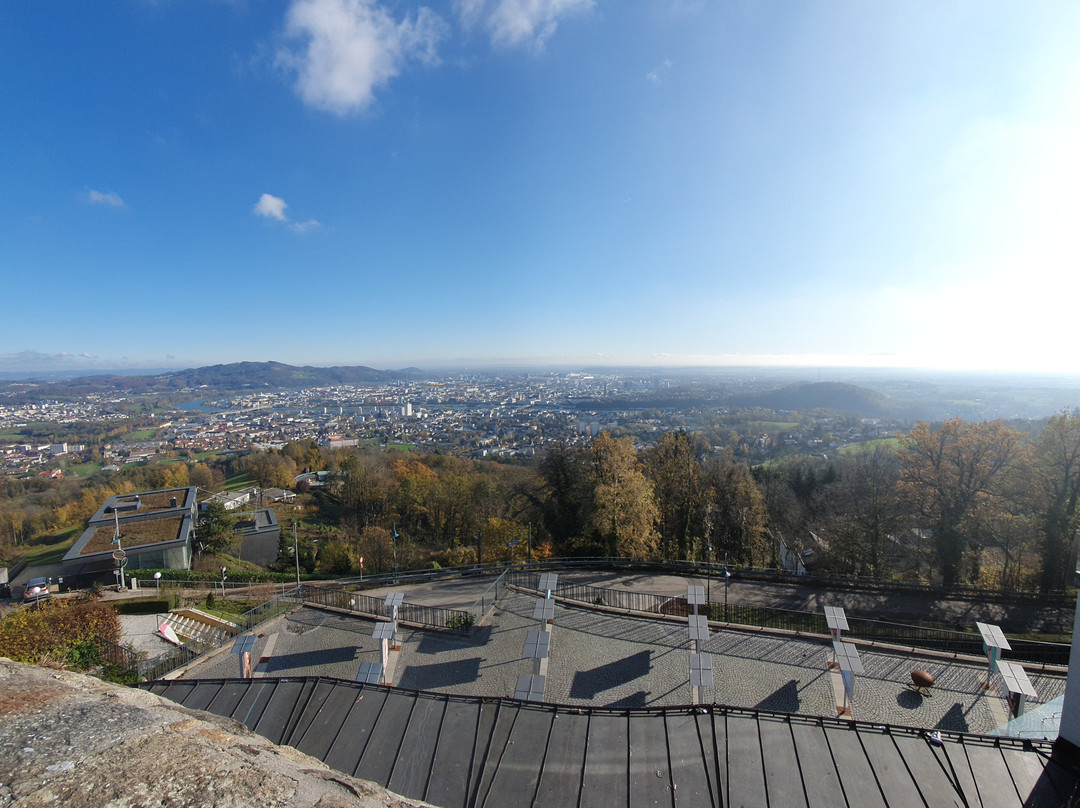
{"points": [[856, 775], [452, 768], [689, 769], [606, 762], [413, 768], [560, 780], [746, 780], [457, 751], [819, 774]]}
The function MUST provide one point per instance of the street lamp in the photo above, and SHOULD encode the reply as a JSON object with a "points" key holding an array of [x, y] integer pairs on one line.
{"points": [[37, 596], [394, 535], [727, 578], [224, 575], [157, 581], [708, 575]]}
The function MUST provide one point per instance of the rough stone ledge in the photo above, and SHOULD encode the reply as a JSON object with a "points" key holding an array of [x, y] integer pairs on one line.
{"points": [[72, 740]]}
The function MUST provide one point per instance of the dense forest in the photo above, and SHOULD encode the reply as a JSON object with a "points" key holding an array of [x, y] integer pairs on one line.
{"points": [[958, 502]]}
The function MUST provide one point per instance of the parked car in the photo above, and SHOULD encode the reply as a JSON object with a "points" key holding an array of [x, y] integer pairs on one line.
{"points": [[44, 587]]}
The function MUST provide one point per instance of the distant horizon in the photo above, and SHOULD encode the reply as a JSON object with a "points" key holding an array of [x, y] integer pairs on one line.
{"points": [[804, 371]]}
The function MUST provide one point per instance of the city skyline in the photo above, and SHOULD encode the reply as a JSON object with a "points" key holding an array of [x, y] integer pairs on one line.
{"points": [[561, 182]]}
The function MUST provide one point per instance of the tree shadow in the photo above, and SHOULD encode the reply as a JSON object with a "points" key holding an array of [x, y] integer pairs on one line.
{"points": [[443, 674], [953, 721], [588, 684], [784, 700], [909, 699]]}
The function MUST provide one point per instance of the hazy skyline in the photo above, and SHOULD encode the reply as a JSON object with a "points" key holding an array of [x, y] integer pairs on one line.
{"points": [[552, 182]]}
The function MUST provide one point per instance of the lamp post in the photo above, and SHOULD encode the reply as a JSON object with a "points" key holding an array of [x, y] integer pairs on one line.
{"points": [[296, 555], [157, 582], [727, 578], [708, 576], [119, 554], [37, 597], [224, 575], [394, 536]]}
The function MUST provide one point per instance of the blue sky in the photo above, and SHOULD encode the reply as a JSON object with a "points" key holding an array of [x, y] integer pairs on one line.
{"points": [[540, 181]]}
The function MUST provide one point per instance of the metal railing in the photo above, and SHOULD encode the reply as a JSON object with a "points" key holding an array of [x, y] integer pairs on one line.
{"points": [[928, 637], [117, 655], [415, 613], [491, 594]]}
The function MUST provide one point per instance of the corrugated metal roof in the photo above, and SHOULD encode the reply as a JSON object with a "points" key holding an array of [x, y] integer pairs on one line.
{"points": [[466, 751]]}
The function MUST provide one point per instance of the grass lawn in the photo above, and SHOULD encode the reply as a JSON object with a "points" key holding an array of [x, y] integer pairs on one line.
{"points": [[140, 434], [401, 447], [774, 426], [84, 469], [869, 445], [239, 481], [48, 549]]}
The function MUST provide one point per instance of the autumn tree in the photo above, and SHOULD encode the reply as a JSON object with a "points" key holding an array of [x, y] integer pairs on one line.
{"points": [[1056, 490], [565, 491], [202, 476], [736, 514], [950, 475], [624, 509], [672, 466], [863, 511]]}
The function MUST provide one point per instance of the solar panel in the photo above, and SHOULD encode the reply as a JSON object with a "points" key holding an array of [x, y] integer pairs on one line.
{"points": [[244, 644], [383, 631], [993, 637], [394, 599], [701, 670], [370, 673], [695, 595], [537, 645], [548, 581], [1016, 678], [698, 626], [835, 618], [530, 687], [544, 609], [848, 657]]}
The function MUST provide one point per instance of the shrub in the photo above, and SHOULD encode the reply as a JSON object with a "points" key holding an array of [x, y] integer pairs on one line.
{"points": [[49, 632], [463, 621]]}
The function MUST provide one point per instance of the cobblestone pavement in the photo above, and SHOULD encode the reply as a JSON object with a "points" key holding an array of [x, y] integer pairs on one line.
{"points": [[608, 660]]}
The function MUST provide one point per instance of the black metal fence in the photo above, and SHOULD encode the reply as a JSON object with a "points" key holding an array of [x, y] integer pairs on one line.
{"points": [[415, 613], [960, 642], [117, 655]]}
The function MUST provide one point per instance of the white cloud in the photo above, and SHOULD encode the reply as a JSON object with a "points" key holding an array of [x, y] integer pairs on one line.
{"points": [[305, 227], [271, 207], [351, 47], [274, 207], [109, 199], [655, 76], [517, 22]]}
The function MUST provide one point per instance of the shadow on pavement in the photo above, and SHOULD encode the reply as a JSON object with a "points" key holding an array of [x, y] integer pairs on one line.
{"points": [[588, 684]]}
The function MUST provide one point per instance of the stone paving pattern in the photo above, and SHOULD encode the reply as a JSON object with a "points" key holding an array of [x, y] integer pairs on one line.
{"points": [[606, 660]]}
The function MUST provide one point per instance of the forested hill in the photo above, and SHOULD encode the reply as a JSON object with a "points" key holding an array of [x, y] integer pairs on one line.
{"points": [[232, 377], [273, 375], [835, 396]]}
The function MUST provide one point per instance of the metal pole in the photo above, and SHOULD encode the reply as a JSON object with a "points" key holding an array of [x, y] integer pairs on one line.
{"points": [[296, 555]]}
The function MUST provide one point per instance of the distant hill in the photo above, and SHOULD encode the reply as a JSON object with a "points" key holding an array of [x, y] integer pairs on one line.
{"points": [[237, 376], [273, 375], [835, 396]]}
